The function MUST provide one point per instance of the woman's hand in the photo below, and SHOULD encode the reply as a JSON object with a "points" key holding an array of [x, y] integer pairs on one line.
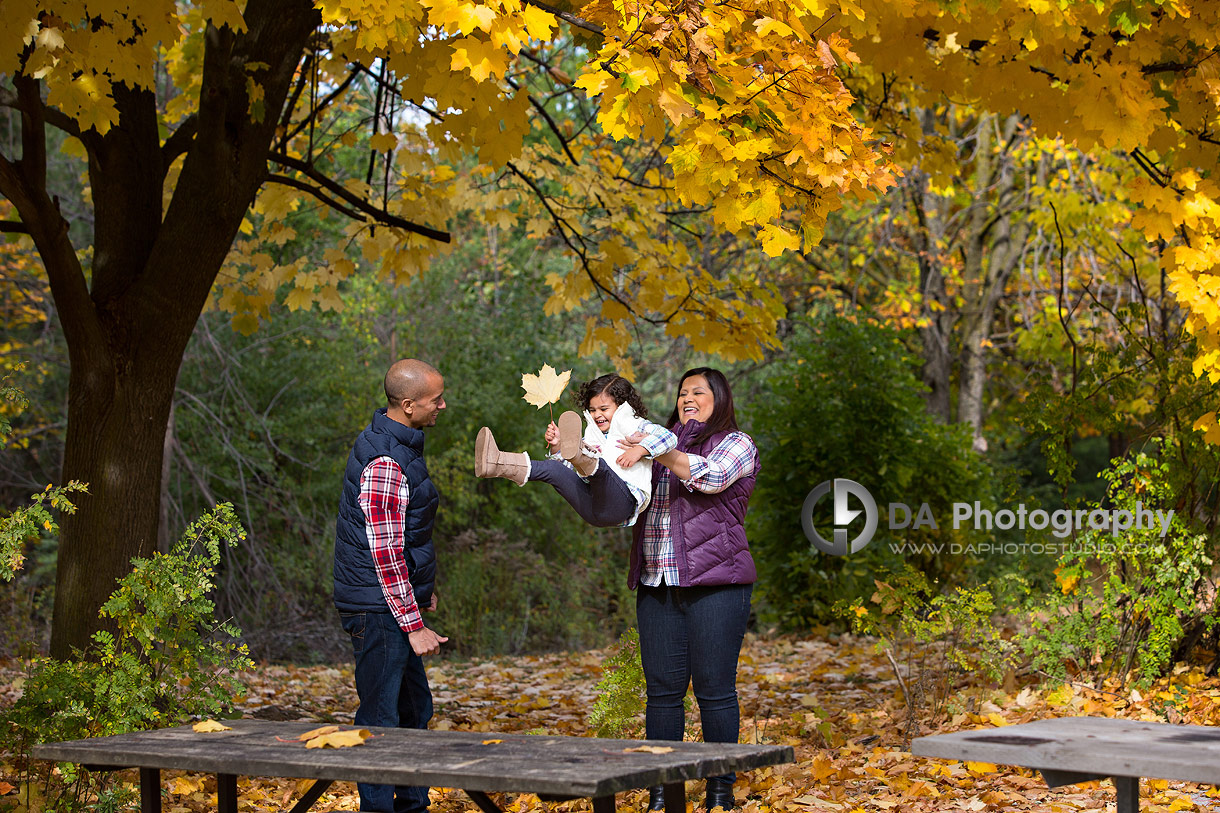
{"points": [[552, 437], [633, 440]]}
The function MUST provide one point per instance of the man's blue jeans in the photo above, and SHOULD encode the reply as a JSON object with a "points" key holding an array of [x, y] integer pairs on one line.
{"points": [[393, 690], [692, 636]]}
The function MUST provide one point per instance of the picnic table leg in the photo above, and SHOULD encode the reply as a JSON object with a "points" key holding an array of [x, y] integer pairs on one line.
{"points": [[675, 797], [226, 793], [1128, 788], [483, 801], [603, 804], [310, 796], [150, 790]]}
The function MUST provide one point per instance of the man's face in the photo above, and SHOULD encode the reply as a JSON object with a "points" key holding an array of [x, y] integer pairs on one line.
{"points": [[423, 411]]}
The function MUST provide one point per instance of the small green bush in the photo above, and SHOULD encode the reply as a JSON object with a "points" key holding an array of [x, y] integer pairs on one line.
{"points": [[933, 639], [844, 401], [1123, 602], [619, 708], [167, 661]]}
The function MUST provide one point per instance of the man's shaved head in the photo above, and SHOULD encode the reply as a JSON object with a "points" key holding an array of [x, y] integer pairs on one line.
{"points": [[409, 378]]}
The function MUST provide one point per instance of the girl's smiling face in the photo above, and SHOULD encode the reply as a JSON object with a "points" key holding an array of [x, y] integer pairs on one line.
{"points": [[602, 408], [695, 400]]}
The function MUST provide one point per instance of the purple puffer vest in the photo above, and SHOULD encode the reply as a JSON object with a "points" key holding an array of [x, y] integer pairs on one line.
{"points": [[708, 530]]}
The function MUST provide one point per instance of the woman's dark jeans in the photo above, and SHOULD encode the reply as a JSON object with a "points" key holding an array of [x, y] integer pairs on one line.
{"points": [[692, 635]]}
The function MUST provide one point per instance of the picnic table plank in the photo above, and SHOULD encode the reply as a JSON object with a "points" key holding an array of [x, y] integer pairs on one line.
{"points": [[1082, 746], [571, 766]]}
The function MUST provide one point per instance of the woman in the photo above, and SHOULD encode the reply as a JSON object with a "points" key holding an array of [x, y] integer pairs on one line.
{"points": [[692, 566]]}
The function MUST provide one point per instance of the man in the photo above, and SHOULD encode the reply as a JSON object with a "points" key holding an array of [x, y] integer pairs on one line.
{"points": [[385, 565]]}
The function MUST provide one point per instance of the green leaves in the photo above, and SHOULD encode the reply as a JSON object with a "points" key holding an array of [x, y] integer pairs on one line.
{"points": [[620, 693], [168, 659], [1125, 601], [29, 521]]}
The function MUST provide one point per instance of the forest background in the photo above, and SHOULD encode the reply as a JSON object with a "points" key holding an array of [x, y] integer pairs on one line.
{"points": [[1004, 302]]}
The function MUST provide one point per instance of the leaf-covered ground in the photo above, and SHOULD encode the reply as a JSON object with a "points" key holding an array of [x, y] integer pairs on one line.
{"points": [[789, 687]]}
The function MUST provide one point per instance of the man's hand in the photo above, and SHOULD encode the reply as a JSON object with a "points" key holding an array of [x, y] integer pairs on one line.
{"points": [[431, 603], [426, 642], [632, 456]]}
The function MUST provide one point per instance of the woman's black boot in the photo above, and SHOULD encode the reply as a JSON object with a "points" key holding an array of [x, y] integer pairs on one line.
{"points": [[656, 797], [719, 794]]}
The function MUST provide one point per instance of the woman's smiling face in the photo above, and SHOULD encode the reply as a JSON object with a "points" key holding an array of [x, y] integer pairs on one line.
{"points": [[695, 400]]}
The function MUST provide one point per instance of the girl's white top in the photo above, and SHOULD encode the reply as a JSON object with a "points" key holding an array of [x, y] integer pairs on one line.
{"points": [[638, 477]]}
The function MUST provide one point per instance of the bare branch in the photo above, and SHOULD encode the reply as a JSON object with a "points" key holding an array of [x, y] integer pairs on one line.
{"points": [[355, 201], [286, 180], [180, 140], [50, 115]]}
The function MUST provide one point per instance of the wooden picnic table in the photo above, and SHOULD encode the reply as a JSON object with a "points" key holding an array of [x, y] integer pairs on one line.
{"points": [[1080, 749], [554, 767]]}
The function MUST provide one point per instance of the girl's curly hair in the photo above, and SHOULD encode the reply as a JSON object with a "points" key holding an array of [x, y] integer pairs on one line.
{"points": [[618, 388]]}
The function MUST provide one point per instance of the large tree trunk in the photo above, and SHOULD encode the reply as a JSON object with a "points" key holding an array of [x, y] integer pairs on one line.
{"points": [[117, 415], [128, 322]]}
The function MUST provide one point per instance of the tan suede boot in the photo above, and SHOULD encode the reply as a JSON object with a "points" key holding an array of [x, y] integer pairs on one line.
{"points": [[570, 436], [489, 461]]}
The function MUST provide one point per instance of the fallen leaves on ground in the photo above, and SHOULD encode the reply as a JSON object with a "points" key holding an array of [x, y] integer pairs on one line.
{"points": [[833, 699]]}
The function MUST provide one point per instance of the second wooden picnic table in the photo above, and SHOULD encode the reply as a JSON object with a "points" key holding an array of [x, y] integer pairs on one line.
{"points": [[555, 767], [1067, 750]]}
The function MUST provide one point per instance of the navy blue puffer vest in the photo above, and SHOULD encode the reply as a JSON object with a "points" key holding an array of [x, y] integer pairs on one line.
{"points": [[356, 585]]}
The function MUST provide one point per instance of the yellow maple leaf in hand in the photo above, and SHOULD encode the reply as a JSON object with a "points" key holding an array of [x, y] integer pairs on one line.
{"points": [[546, 387]]}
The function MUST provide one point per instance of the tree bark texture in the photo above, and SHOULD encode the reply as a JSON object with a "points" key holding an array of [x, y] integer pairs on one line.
{"points": [[128, 322]]}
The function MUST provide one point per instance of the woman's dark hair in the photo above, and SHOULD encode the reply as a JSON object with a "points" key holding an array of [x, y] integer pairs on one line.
{"points": [[723, 418], [618, 388]]}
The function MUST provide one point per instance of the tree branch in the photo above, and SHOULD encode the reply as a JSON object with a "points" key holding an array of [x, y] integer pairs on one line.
{"points": [[180, 140], [550, 122], [570, 19], [286, 180], [361, 205], [50, 115], [14, 227], [564, 228]]}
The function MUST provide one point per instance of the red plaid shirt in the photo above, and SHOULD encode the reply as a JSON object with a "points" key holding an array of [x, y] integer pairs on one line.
{"points": [[384, 497], [734, 457]]}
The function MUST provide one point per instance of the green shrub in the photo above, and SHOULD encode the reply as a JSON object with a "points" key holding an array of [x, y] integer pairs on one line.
{"points": [[933, 639], [167, 661], [1124, 601], [619, 708]]}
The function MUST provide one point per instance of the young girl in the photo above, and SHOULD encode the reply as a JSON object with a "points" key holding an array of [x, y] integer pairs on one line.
{"points": [[606, 484]]}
